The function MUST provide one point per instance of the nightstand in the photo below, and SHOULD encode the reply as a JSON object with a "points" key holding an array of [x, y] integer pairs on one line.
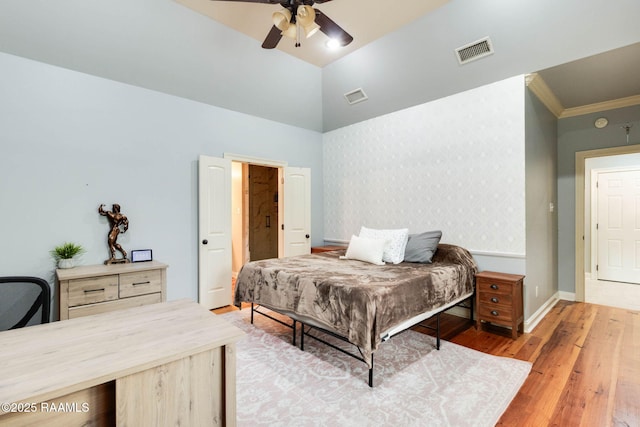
{"points": [[319, 249], [499, 300]]}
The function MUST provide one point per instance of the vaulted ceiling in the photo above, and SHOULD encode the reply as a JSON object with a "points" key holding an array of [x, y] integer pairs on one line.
{"points": [[365, 20], [403, 53], [596, 83]]}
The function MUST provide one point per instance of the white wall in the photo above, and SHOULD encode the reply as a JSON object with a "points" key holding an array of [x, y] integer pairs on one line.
{"points": [[455, 164], [71, 141]]}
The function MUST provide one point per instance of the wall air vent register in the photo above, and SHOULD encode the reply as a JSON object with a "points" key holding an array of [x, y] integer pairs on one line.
{"points": [[356, 96], [476, 50]]}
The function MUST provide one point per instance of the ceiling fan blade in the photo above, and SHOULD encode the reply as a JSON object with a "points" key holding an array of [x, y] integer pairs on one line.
{"points": [[331, 29], [273, 38]]}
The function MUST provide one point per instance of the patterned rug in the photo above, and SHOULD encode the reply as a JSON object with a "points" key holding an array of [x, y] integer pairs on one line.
{"points": [[414, 384]]}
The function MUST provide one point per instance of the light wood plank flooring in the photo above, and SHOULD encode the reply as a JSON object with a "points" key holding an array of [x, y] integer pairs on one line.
{"points": [[586, 365]]}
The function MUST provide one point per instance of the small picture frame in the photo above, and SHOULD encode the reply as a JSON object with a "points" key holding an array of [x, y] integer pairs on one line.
{"points": [[141, 255]]}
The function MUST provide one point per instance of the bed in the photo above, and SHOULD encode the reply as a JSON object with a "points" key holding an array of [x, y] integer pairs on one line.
{"points": [[362, 303]]}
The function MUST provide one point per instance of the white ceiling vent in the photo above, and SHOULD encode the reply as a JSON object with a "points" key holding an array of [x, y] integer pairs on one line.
{"points": [[476, 50], [355, 96]]}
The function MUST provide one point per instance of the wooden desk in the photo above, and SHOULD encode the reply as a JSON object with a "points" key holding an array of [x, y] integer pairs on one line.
{"points": [[163, 364]]}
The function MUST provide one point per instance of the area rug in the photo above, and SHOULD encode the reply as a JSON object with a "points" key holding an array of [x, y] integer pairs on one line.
{"points": [[414, 384]]}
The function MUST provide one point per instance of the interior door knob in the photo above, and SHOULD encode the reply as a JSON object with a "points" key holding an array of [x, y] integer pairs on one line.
{"points": [[306, 235], [205, 241]]}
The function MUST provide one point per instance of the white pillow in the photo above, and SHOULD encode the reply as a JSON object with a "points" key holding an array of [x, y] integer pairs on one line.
{"points": [[396, 242], [367, 250]]}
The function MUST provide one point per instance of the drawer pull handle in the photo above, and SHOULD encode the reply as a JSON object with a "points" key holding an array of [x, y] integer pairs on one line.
{"points": [[494, 286], [495, 313], [141, 283], [494, 299], [88, 291]]}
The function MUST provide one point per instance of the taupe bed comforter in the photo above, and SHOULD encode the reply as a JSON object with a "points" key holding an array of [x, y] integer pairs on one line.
{"points": [[357, 300]]}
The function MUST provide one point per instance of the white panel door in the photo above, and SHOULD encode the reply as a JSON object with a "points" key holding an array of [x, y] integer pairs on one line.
{"points": [[214, 229], [297, 211], [619, 226]]}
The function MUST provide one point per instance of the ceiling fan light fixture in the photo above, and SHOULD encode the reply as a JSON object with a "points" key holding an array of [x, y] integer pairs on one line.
{"points": [[291, 31], [281, 19], [310, 30], [306, 17]]}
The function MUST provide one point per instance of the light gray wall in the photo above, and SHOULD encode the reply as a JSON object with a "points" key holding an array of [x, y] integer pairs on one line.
{"points": [[71, 141], [542, 224], [164, 46], [417, 63], [579, 134]]}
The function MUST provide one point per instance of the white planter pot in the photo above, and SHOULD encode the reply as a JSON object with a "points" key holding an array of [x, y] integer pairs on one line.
{"points": [[66, 263]]}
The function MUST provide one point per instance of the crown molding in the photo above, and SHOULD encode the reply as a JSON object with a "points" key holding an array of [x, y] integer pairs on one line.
{"points": [[539, 88], [629, 101]]}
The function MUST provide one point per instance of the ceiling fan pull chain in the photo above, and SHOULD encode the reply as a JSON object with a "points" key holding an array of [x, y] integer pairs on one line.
{"points": [[297, 33]]}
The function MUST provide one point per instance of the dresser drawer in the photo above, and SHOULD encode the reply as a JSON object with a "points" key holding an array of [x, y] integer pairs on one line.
{"points": [[93, 290], [496, 313], [140, 283], [494, 287]]}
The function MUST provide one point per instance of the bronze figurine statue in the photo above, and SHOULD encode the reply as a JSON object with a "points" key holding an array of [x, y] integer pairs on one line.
{"points": [[119, 224]]}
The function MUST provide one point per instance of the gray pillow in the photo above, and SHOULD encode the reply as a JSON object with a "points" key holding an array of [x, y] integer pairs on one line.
{"points": [[421, 247]]}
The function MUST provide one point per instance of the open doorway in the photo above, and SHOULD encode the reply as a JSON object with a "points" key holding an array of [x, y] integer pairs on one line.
{"points": [[223, 219], [591, 285], [255, 213]]}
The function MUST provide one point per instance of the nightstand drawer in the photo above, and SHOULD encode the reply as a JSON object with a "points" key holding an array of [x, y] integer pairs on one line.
{"points": [[494, 287], [140, 283], [490, 298], [496, 313], [93, 290]]}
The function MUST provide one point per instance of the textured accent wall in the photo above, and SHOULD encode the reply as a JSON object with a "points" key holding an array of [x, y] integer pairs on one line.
{"points": [[455, 164]]}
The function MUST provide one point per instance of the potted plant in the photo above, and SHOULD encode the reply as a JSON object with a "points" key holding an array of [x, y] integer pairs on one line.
{"points": [[65, 253]]}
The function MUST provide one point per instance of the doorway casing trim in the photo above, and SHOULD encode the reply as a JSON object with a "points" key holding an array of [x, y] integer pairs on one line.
{"points": [[255, 160], [581, 157]]}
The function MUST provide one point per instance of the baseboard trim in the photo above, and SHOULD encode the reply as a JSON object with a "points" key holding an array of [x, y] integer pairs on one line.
{"points": [[532, 322], [567, 296], [459, 311]]}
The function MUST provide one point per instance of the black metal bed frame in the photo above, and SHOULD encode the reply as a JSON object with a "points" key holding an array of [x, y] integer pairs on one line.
{"points": [[360, 357]]}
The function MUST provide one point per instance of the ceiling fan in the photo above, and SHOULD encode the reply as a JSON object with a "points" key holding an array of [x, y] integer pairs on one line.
{"points": [[298, 17]]}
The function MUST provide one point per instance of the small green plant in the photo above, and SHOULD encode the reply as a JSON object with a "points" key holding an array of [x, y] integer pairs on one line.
{"points": [[66, 251]]}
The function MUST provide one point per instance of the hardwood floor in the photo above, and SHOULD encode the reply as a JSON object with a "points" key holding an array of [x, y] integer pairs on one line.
{"points": [[586, 365]]}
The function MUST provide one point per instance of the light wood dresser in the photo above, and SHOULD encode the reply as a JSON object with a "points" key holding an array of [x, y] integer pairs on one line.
{"points": [[166, 364], [499, 300], [94, 289]]}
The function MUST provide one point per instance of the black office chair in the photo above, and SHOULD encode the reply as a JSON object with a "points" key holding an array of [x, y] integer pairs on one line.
{"points": [[24, 301]]}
